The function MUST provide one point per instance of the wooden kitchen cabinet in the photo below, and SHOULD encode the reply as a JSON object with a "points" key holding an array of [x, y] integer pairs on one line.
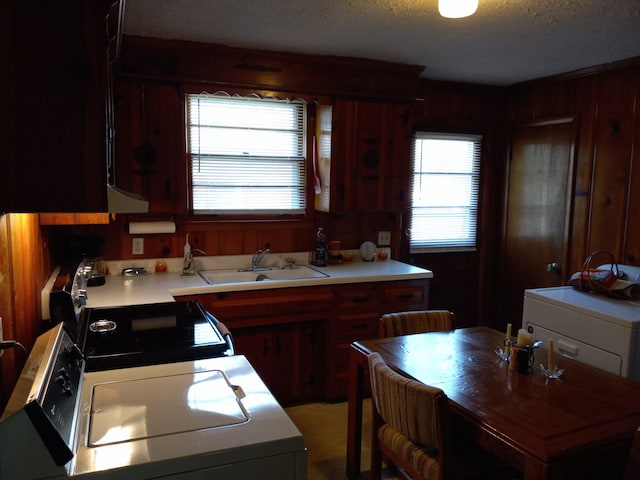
{"points": [[149, 142], [358, 311], [55, 80], [283, 334], [370, 157], [298, 339], [285, 356]]}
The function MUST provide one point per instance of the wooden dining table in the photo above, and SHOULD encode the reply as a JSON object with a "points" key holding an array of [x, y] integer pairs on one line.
{"points": [[580, 425]]}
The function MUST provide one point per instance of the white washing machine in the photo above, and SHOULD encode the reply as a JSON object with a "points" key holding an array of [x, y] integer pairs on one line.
{"points": [[591, 328], [191, 420]]}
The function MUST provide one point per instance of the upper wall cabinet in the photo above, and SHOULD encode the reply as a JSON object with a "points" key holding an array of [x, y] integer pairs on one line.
{"points": [[149, 142], [54, 108], [367, 165]]}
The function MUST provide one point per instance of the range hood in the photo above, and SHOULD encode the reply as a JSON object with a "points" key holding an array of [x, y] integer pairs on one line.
{"points": [[119, 201]]}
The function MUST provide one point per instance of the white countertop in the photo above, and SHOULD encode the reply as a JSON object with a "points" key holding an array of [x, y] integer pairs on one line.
{"points": [[157, 288]]}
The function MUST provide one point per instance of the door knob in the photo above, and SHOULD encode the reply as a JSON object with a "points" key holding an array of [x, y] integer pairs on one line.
{"points": [[553, 267]]}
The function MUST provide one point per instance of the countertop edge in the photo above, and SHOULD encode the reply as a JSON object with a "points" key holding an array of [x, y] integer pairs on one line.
{"points": [[165, 287]]}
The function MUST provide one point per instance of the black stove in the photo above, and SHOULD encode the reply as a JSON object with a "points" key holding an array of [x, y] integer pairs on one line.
{"points": [[137, 335]]}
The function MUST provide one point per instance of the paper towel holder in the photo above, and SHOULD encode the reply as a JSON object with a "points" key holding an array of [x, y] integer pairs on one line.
{"points": [[150, 228]]}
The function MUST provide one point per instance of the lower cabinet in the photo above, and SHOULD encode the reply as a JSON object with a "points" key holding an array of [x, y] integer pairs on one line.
{"points": [[298, 339], [358, 310], [285, 357], [283, 334]]}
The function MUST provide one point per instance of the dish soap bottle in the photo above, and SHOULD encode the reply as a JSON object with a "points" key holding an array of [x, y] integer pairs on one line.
{"points": [[320, 256]]}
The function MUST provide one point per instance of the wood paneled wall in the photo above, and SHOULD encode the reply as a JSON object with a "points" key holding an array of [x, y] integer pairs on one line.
{"points": [[459, 282], [606, 200], [24, 267]]}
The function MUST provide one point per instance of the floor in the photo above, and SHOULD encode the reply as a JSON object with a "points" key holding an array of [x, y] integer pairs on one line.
{"points": [[324, 428]]}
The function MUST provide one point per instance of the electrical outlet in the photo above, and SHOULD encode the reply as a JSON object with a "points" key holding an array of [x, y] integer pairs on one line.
{"points": [[384, 238], [138, 246]]}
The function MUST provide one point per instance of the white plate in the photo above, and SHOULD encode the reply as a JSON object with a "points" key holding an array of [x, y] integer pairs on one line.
{"points": [[368, 251]]}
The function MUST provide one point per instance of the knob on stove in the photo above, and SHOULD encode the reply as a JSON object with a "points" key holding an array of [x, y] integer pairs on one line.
{"points": [[74, 355], [64, 381]]}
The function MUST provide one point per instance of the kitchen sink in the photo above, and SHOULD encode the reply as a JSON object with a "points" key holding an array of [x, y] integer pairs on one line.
{"points": [[217, 277]]}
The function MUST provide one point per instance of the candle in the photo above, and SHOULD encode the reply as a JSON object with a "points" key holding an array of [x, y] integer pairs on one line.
{"points": [[550, 364], [507, 345], [524, 337]]}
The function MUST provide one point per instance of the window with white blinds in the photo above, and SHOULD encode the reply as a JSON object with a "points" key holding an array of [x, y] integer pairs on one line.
{"points": [[444, 192], [247, 154]]}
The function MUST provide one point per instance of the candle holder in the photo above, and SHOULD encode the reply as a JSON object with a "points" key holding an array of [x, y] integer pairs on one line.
{"points": [[555, 372], [502, 354], [505, 352]]}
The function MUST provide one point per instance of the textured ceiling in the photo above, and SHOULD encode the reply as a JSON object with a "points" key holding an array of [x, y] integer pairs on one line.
{"points": [[504, 42]]}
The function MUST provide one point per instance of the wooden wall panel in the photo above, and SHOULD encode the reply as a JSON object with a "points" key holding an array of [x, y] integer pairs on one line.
{"points": [[614, 130], [583, 103], [23, 271], [605, 105], [7, 370], [459, 282], [632, 245]]}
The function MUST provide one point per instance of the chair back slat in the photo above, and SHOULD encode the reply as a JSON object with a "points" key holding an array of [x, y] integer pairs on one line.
{"points": [[418, 321], [633, 464], [412, 408]]}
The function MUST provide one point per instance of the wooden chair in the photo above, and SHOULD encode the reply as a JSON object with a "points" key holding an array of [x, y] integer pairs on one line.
{"points": [[413, 432], [632, 471], [405, 323]]}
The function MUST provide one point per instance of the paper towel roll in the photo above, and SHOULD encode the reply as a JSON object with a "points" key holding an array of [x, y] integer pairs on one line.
{"points": [[137, 228]]}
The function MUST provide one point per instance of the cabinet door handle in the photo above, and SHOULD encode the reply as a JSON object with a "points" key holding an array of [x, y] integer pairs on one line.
{"points": [[360, 299], [359, 326], [405, 296], [309, 381]]}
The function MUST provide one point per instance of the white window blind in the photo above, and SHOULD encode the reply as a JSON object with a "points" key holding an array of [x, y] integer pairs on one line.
{"points": [[247, 154], [444, 192]]}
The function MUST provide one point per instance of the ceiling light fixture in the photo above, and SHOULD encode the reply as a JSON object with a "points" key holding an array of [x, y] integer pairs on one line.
{"points": [[457, 8]]}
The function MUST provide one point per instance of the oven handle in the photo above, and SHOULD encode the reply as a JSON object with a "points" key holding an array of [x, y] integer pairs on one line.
{"points": [[224, 331]]}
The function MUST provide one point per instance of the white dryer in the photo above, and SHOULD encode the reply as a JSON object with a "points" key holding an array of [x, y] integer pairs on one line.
{"points": [[587, 327]]}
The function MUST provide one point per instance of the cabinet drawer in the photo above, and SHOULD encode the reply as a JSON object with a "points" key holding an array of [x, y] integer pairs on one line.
{"points": [[365, 296], [356, 327], [286, 302], [404, 294]]}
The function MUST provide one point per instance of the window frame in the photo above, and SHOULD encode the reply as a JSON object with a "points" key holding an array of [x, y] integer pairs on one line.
{"points": [[446, 247], [214, 216]]}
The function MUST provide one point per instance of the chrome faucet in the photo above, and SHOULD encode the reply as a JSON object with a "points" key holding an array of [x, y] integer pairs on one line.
{"points": [[188, 264], [257, 258]]}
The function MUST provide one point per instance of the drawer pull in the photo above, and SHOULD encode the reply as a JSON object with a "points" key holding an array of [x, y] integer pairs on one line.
{"points": [[405, 296], [360, 326], [361, 299]]}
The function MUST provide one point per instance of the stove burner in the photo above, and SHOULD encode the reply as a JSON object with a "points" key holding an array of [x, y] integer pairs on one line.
{"points": [[102, 326]]}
